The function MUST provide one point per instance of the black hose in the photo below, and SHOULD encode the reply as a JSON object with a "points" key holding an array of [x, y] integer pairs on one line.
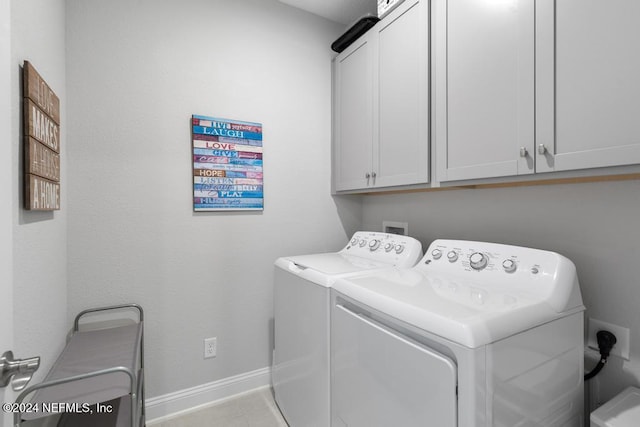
{"points": [[595, 370]]}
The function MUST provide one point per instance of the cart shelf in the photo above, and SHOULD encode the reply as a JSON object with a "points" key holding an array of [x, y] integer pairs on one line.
{"points": [[98, 377]]}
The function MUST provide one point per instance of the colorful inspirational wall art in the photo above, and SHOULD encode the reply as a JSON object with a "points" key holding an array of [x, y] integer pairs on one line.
{"points": [[227, 164]]}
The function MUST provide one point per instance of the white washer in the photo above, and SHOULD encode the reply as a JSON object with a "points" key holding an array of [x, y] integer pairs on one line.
{"points": [[300, 371], [475, 335]]}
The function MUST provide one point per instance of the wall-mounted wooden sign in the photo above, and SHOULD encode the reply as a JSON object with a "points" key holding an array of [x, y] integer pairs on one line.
{"points": [[41, 161], [44, 195], [41, 143], [40, 126], [36, 89]]}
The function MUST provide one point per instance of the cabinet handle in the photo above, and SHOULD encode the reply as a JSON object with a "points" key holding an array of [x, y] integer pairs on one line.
{"points": [[368, 176], [523, 152], [373, 175], [542, 149]]}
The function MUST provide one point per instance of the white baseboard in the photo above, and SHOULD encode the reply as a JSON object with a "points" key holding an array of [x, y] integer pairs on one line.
{"points": [[177, 403]]}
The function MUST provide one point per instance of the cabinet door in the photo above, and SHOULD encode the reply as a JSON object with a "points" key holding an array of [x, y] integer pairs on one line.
{"points": [[353, 109], [587, 83], [401, 101], [484, 88]]}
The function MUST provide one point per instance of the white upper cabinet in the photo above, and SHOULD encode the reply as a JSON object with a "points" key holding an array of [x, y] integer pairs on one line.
{"points": [[518, 87], [381, 103], [587, 84], [522, 89], [484, 88], [353, 116], [401, 99]]}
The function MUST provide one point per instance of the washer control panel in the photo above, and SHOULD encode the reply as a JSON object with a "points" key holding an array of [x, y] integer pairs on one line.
{"points": [[512, 272], [397, 250], [476, 257]]}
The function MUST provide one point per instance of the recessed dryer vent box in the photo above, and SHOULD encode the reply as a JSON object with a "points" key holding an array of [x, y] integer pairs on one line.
{"points": [[386, 6], [394, 227]]}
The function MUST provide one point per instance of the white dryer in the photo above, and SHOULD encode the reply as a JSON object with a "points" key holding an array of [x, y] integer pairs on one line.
{"points": [[300, 371], [475, 335]]}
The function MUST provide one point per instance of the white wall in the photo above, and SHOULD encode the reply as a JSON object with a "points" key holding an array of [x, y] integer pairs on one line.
{"points": [[39, 238], [6, 195], [593, 224], [137, 71]]}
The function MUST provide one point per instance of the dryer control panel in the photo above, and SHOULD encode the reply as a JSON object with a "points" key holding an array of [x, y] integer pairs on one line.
{"points": [[393, 249], [535, 274]]}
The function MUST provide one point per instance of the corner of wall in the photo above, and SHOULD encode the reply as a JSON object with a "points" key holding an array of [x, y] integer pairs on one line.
{"points": [[39, 239]]}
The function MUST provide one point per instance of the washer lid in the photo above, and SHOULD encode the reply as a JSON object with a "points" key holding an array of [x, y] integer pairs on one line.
{"points": [[335, 263], [324, 269], [455, 309]]}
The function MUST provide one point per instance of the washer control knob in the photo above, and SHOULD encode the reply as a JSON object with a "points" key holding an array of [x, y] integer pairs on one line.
{"points": [[436, 253], [452, 256], [374, 244], [354, 241], [509, 265], [399, 249], [388, 247], [478, 260], [362, 243]]}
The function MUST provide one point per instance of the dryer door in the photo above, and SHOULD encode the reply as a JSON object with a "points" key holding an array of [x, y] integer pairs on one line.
{"points": [[381, 378]]}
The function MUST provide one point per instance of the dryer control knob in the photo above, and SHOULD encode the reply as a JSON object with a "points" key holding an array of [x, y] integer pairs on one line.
{"points": [[436, 253], [374, 244], [399, 249], [362, 243], [509, 265], [452, 256], [354, 241], [478, 261], [388, 247]]}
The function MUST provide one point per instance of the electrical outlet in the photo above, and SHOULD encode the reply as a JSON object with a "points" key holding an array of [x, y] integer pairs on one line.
{"points": [[621, 348], [210, 347]]}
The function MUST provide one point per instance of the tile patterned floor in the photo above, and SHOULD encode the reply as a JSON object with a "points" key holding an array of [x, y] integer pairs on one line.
{"points": [[253, 409]]}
